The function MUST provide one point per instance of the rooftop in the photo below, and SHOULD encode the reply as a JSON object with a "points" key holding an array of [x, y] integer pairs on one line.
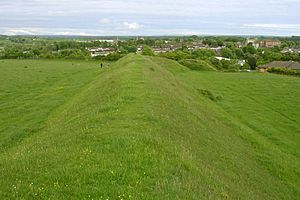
{"points": [[282, 64]]}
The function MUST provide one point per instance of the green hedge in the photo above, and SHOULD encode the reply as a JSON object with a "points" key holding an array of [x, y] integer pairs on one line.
{"points": [[284, 71]]}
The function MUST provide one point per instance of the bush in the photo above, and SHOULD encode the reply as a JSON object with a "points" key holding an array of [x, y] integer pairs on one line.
{"points": [[131, 49], [216, 63], [252, 61], [147, 51], [73, 54], [225, 65], [203, 54], [230, 66], [208, 94], [176, 55], [284, 71], [227, 53], [198, 65], [245, 66], [110, 57]]}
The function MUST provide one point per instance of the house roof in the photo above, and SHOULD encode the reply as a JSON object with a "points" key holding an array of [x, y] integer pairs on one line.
{"points": [[270, 40], [282, 64]]}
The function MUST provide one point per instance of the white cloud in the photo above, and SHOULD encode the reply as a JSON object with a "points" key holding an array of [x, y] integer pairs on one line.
{"points": [[21, 31], [104, 21], [155, 17], [279, 26], [132, 26], [189, 33], [55, 13], [43, 31], [68, 33]]}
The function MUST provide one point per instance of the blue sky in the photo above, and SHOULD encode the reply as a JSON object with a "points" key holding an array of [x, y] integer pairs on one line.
{"points": [[145, 17]]}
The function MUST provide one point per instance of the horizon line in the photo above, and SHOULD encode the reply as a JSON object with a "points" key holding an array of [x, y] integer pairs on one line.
{"points": [[171, 35]]}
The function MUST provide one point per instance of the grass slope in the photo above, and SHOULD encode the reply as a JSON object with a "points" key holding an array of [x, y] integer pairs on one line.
{"points": [[142, 130], [30, 90]]}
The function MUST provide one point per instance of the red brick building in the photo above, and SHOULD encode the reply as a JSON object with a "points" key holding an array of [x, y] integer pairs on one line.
{"points": [[269, 43]]}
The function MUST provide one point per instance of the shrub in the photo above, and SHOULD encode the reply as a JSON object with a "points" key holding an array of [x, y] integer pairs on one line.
{"points": [[203, 54], [176, 55], [227, 53], [110, 57], [216, 63], [225, 65], [284, 71], [245, 66], [252, 61], [210, 95], [198, 65], [147, 51], [230, 66]]}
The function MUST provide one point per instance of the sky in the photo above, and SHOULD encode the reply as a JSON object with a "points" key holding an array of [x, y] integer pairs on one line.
{"points": [[150, 17]]}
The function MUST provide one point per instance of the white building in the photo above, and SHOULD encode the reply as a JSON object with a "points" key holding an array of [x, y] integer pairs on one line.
{"points": [[222, 58], [100, 51]]}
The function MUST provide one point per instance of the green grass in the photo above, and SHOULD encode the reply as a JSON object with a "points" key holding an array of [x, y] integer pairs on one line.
{"points": [[149, 128], [31, 90]]}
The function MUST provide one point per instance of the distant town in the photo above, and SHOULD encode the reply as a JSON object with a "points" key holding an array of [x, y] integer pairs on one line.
{"points": [[225, 53], [169, 46]]}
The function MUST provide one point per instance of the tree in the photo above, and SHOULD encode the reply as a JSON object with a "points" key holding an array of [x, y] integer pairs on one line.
{"points": [[245, 66], [249, 49], [176, 55], [198, 65], [271, 55], [239, 53], [131, 49], [227, 53], [147, 51], [216, 63], [252, 61], [210, 42], [203, 53], [194, 37], [219, 42], [113, 56]]}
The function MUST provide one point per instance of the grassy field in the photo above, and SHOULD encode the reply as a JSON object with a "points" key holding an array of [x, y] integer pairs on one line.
{"points": [[31, 90], [146, 128]]}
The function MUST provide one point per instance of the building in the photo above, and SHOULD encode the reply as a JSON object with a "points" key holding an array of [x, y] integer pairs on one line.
{"points": [[160, 50], [252, 42], [174, 47], [269, 43], [291, 50], [291, 65], [102, 41], [241, 62], [216, 49], [100, 51], [222, 58], [139, 49], [196, 46]]}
